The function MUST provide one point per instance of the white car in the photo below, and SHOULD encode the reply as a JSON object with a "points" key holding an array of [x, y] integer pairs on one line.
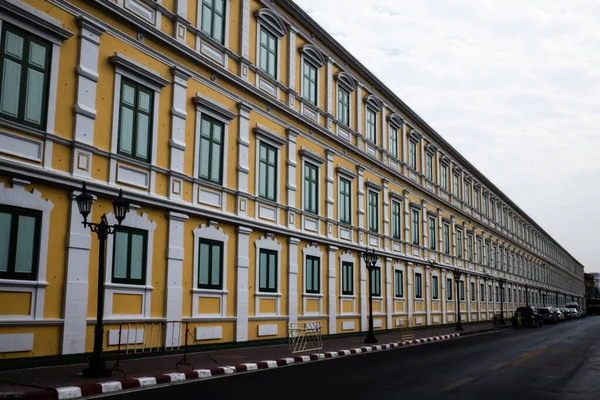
{"points": [[575, 305]]}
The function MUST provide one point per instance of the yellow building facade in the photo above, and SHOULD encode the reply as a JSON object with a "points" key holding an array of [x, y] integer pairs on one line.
{"points": [[260, 159]]}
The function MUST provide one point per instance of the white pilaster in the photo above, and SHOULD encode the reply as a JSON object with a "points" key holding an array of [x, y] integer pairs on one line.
{"points": [[410, 298], [292, 52], [428, 294], [329, 72], [425, 229], [361, 203], [242, 296], [359, 122], [331, 283], [175, 256], [386, 213], [85, 103], [407, 237], [444, 296], [291, 177], [330, 195], [363, 295], [243, 167], [244, 38], [388, 291], [178, 117], [76, 287], [293, 280], [404, 150]]}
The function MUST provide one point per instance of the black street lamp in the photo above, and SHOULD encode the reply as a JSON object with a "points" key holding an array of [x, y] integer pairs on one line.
{"points": [[501, 283], [543, 299], [457, 275], [97, 365], [527, 295], [370, 259], [556, 299]]}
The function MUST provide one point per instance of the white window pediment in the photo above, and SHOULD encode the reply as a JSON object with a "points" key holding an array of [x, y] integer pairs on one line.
{"points": [[271, 21], [415, 136], [431, 149], [346, 81], [213, 108], [395, 120], [26, 14], [313, 55], [138, 72], [269, 136], [311, 156], [374, 102]]}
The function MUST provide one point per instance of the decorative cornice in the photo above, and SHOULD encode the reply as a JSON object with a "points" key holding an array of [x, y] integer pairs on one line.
{"points": [[122, 61], [26, 12]]}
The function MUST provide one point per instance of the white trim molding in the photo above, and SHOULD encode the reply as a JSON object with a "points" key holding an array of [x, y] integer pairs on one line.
{"points": [[137, 221], [267, 242], [18, 196], [212, 232]]}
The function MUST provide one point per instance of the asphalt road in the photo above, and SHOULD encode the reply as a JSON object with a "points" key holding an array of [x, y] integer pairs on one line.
{"points": [[554, 362]]}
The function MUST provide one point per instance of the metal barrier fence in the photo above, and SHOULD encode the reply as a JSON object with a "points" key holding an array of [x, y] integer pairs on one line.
{"points": [[304, 336], [150, 337]]}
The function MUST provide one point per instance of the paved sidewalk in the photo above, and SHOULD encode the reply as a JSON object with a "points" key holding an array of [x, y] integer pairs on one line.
{"points": [[44, 378]]}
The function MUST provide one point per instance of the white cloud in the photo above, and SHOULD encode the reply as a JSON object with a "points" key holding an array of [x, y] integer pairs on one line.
{"points": [[514, 86]]}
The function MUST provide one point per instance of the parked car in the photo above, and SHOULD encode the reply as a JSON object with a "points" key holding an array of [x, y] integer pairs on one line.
{"points": [[569, 313], [547, 315], [577, 307], [560, 317], [573, 312], [530, 317]]}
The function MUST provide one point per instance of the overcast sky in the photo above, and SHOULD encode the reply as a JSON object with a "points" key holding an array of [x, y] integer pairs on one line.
{"points": [[514, 86]]}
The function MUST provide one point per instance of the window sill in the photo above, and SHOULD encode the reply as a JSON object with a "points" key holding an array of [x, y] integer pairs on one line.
{"points": [[209, 291], [110, 285], [399, 298], [268, 294], [24, 283], [348, 296], [313, 295]]}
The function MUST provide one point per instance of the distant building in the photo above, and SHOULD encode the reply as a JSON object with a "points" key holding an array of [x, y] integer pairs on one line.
{"points": [[592, 285]]}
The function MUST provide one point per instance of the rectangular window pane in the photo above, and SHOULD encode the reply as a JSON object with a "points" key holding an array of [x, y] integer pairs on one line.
{"points": [[204, 158], [215, 278], [143, 133], [418, 286], [14, 45], [137, 256], [11, 80], [25, 244], [204, 264], [34, 96], [126, 131], [37, 55], [272, 271], [206, 19], [449, 288], [263, 266], [5, 227], [120, 257], [435, 287]]}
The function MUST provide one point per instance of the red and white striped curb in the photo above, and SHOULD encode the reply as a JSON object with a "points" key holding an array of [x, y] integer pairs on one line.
{"points": [[91, 389]]}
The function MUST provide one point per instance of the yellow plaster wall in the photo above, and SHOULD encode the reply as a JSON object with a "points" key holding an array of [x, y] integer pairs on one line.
{"points": [[209, 305], [46, 341], [127, 304], [268, 306], [15, 303]]}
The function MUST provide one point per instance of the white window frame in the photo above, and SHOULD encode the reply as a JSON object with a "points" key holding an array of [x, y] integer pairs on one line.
{"points": [[346, 82], [377, 194], [212, 232], [18, 196], [312, 158], [152, 80], [136, 221], [315, 251], [349, 258], [227, 5], [349, 176], [268, 137], [222, 114], [305, 57], [55, 34], [267, 242]]}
